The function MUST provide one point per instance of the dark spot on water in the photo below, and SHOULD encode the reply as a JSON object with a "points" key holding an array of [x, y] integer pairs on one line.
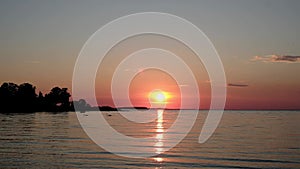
{"points": [[294, 148]]}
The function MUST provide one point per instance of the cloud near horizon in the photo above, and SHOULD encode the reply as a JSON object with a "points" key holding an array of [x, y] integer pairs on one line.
{"points": [[277, 58], [237, 85]]}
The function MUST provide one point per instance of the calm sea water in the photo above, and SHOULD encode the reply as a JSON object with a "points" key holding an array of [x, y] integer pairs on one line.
{"points": [[243, 139]]}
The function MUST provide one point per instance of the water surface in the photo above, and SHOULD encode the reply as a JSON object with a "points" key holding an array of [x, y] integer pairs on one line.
{"points": [[244, 139]]}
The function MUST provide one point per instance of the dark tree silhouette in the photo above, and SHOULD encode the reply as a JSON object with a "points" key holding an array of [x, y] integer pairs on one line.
{"points": [[26, 97], [41, 103], [58, 99], [81, 105], [8, 95], [23, 98]]}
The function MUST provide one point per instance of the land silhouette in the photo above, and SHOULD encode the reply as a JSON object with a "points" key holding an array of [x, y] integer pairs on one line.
{"points": [[23, 98]]}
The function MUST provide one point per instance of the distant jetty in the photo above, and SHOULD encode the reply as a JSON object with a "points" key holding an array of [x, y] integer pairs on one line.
{"points": [[129, 108], [86, 108]]}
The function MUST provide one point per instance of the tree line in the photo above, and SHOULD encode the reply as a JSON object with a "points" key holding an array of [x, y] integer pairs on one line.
{"points": [[23, 98]]}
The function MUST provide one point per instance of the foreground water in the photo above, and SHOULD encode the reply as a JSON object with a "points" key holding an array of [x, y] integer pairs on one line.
{"points": [[243, 139]]}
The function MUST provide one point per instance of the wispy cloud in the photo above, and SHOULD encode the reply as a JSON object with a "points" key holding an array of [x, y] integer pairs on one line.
{"points": [[237, 85], [183, 85], [277, 58]]}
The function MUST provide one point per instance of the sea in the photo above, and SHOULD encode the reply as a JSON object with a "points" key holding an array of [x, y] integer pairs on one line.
{"points": [[243, 139]]}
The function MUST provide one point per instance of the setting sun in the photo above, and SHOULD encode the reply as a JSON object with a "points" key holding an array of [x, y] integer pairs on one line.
{"points": [[158, 96]]}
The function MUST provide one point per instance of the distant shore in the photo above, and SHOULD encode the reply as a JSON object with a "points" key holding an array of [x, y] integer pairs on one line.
{"points": [[112, 109], [24, 99]]}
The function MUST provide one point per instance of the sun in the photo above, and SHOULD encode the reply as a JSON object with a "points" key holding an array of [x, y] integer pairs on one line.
{"points": [[158, 96]]}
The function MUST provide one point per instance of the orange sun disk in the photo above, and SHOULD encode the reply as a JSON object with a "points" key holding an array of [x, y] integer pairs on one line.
{"points": [[158, 96]]}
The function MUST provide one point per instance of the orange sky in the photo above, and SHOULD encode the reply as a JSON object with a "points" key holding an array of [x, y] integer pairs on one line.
{"points": [[261, 87], [258, 44]]}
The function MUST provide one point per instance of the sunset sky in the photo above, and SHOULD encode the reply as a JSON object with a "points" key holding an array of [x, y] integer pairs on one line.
{"points": [[258, 42]]}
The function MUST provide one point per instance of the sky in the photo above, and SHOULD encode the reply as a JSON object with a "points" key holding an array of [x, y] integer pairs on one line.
{"points": [[257, 41]]}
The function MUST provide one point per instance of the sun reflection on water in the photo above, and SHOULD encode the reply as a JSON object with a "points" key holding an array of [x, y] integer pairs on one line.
{"points": [[159, 135], [158, 159]]}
